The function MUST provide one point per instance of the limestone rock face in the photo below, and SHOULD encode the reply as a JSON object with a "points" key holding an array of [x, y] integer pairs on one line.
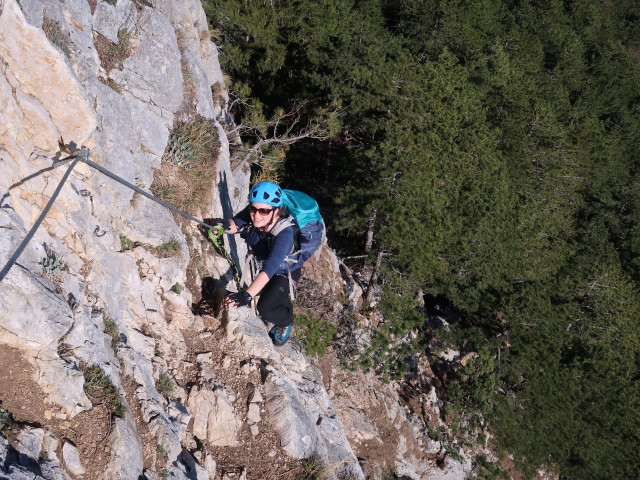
{"points": [[74, 282], [34, 459], [147, 76], [25, 322], [295, 399], [308, 426], [61, 382], [33, 62], [109, 18]]}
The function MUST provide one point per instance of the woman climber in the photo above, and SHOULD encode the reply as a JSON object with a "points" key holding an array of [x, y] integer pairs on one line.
{"points": [[271, 233]]}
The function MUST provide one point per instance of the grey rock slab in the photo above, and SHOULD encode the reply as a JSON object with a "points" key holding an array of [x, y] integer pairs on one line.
{"points": [[214, 417], [198, 77], [187, 468], [178, 310], [88, 340], [77, 23], [155, 134], [192, 30], [30, 441], [126, 459], [17, 472], [294, 408], [153, 73], [210, 465], [36, 119], [50, 447], [168, 434], [51, 470], [109, 277], [71, 458], [109, 19], [245, 328], [152, 223], [33, 312], [117, 141], [50, 467], [33, 10], [289, 412], [168, 428], [141, 343], [180, 416], [296, 398], [62, 382], [253, 413], [15, 465], [141, 369]]}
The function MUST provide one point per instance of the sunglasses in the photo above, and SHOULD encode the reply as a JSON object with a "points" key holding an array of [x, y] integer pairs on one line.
{"points": [[261, 211]]}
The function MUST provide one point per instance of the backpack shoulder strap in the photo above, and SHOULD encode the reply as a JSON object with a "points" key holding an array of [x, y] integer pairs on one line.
{"points": [[281, 224]]}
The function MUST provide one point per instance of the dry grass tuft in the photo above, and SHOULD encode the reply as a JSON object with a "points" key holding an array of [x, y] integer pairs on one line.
{"points": [[112, 55], [188, 167], [55, 35]]}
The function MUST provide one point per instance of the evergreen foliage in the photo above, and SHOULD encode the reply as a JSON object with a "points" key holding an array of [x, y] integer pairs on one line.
{"points": [[495, 141], [314, 333]]}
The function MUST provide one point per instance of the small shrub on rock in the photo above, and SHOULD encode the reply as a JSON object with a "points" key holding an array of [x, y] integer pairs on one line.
{"points": [[164, 384], [168, 249], [52, 264], [314, 333], [101, 391]]}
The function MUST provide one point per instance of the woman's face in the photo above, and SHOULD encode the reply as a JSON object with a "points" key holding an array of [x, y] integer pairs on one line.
{"points": [[261, 214]]}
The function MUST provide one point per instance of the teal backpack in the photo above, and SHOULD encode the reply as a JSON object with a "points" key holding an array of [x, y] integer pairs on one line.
{"points": [[304, 215], [301, 207]]}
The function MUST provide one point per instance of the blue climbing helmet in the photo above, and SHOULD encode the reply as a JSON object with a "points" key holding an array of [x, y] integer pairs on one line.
{"points": [[266, 192]]}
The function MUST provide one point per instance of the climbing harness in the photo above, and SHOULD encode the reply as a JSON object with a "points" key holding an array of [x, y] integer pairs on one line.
{"points": [[83, 156], [215, 235]]}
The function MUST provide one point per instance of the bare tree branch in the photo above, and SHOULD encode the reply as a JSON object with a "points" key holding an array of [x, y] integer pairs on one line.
{"points": [[283, 129]]}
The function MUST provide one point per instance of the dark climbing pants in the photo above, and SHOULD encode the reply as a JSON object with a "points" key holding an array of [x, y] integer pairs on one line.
{"points": [[274, 305]]}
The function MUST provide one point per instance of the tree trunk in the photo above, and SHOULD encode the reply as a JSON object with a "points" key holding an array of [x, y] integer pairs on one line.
{"points": [[366, 271], [370, 229], [373, 279]]}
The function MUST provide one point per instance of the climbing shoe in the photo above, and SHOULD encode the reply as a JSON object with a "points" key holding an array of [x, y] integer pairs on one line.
{"points": [[280, 335]]}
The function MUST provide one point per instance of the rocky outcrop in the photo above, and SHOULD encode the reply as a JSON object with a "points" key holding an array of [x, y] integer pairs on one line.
{"points": [[296, 400], [382, 427], [216, 421], [35, 457]]}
